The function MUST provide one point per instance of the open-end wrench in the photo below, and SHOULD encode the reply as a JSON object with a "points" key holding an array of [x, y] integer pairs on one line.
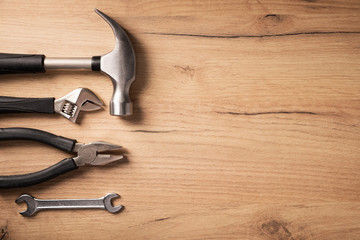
{"points": [[34, 205]]}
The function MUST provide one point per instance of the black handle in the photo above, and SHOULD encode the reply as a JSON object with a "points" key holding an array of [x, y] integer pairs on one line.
{"points": [[29, 179], [21, 63], [26, 105], [59, 142]]}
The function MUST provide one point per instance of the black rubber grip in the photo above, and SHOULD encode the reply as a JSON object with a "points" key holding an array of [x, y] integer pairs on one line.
{"points": [[59, 142], [26, 105], [95, 63], [29, 179], [21, 63]]}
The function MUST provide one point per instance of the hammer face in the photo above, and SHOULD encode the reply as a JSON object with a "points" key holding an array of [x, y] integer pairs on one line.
{"points": [[120, 66]]}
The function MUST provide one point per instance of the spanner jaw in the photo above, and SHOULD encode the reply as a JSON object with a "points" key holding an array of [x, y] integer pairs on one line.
{"points": [[108, 205], [30, 202]]}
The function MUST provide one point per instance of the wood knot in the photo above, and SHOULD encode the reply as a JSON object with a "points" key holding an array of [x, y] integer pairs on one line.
{"points": [[4, 234], [271, 17], [274, 227], [272, 24], [187, 70]]}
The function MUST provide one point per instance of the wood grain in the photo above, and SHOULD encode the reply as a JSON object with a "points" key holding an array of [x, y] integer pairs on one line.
{"points": [[245, 126]]}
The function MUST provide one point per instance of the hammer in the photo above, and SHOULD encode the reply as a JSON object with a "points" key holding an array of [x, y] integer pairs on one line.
{"points": [[119, 65]]}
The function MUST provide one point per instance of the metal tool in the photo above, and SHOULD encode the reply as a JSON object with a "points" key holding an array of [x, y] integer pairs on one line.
{"points": [[69, 106], [87, 154], [119, 65], [34, 205]]}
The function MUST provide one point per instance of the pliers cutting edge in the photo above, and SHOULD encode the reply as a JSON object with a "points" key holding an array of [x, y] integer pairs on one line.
{"points": [[87, 154]]}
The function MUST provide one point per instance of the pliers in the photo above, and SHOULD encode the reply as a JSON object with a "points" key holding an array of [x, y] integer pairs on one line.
{"points": [[69, 106], [87, 154]]}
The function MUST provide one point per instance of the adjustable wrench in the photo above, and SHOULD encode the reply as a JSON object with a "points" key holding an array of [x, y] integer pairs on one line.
{"points": [[34, 205], [69, 106]]}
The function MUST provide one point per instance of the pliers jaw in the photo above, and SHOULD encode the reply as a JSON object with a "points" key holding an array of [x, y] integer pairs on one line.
{"points": [[81, 99], [90, 154]]}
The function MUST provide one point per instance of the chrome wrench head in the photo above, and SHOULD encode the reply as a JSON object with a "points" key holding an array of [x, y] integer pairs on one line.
{"points": [[30, 202], [119, 65], [108, 204], [81, 99]]}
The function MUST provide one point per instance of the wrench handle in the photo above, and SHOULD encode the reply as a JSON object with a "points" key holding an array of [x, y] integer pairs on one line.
{"points": [[29, 179], [26, 105], [21, 63], [70, 204]]}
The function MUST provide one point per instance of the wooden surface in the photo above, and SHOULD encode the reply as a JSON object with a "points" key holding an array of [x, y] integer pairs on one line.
{"points": [[245, 125]]}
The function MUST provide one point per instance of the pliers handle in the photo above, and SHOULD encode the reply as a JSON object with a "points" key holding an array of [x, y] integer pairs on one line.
{"points": [[87, 154], [62, 143]]}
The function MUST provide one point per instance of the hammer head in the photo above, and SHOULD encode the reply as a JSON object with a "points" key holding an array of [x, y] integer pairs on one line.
{"points": [[119, 65]]}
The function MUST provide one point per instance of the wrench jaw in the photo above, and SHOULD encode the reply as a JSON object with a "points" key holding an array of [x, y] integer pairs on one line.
{"points": [[81, 99], [108, 205], [30, 202]]}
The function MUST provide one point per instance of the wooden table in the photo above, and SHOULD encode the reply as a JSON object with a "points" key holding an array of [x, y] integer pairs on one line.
{"points": [[245, 125]]}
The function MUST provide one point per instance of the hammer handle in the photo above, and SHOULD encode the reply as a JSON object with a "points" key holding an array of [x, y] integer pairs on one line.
{"points": [[26, 105], [21, 63]]}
